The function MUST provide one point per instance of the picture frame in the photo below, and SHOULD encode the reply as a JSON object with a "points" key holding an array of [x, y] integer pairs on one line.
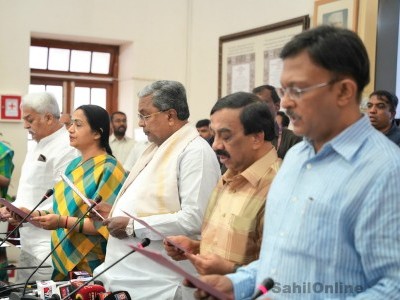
{"points": [[340, 13], [250, 58], [10, 110]]}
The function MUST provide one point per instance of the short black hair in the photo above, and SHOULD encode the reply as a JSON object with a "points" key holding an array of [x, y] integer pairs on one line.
{"points": [[337, 50], [203, 123], [255, 115], [388, 97], [274, 95], [117, 113], [285, 118]]}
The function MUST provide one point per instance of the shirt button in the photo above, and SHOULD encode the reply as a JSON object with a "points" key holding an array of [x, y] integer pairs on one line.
{"points": [[294, 199], [273, 271], [308, 166], [282, 233]]}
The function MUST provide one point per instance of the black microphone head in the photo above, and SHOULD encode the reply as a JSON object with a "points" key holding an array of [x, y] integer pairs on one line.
{"points": [[268, 283], [98, 199], [98, 282], [49, 193], [145, 242], [118, 295], [55, 297]]}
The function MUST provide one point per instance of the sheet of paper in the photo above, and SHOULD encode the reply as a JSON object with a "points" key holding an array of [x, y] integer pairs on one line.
{"points": [[16, 210], [78, 192], [162, 260], [155, 231]]}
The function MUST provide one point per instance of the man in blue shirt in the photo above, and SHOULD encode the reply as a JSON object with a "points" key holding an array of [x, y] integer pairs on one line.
{"points": [[333, 211]]}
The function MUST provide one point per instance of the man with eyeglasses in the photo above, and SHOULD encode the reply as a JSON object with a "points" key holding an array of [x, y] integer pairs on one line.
{"points": [[44, 162], [333, 211], [168, 188], [381, 108]]}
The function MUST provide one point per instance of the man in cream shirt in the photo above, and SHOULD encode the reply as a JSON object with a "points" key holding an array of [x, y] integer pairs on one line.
{"points": [[168, 188], [40, 171]]}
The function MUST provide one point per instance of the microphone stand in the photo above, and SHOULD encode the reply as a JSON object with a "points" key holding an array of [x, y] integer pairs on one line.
{"points": [[145, 242], [23, 297], [45, 197], [9, 288]]}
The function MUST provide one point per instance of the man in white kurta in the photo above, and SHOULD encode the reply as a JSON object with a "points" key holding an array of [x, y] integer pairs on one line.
{"points": [[168, 187], [44, 162]]}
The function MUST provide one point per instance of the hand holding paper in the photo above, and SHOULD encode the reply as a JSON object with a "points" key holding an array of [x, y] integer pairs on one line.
{"points": [[17, 211], [163, 237]]}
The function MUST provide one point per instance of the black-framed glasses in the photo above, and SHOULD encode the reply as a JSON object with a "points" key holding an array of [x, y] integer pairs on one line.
{"points": [[146, 117], [296, 93]]}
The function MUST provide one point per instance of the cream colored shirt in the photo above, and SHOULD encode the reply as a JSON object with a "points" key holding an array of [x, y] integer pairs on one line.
{"points": [[121, 148]]}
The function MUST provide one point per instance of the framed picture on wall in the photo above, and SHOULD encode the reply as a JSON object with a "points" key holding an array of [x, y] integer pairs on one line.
{"points": [[339, 13], [10, 108], [250, 58]]}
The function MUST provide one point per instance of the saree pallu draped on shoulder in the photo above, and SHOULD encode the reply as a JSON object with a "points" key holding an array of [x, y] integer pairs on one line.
{"points": [[101, 175]]}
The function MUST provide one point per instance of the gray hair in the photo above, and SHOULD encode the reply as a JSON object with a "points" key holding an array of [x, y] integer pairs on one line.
{"points": [[42, 103], [168, 95]]}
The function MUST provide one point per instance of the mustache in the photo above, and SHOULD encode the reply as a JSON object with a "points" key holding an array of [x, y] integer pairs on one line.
{"points": [[222, 152], [291, 114]]}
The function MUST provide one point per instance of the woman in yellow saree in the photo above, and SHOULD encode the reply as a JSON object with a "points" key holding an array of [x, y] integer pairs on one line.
{"points": [[96, 172]]}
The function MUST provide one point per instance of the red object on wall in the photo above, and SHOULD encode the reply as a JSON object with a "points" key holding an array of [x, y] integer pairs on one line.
{"points": [[10, 108]]}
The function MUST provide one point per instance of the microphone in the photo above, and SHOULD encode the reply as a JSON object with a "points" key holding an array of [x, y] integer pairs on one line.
{"points": [[48, 194], [6, 289], [23, 297], [117, 295], [89, 292], [263, 288], [12, 267], [144, 243]]}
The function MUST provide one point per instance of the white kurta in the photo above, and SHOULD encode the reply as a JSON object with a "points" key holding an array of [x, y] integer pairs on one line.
{"points": [[37, 176], [197, 172]]}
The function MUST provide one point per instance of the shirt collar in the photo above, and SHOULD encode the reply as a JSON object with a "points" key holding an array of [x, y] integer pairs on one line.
{"points": [[255, 172], [348, 141]]}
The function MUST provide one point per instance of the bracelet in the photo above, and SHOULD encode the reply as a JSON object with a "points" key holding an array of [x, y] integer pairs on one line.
{"points": [[58, 223], [66, 222], [81, 222], [40, 214]]}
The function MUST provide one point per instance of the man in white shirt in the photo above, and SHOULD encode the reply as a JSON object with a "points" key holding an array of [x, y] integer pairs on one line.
{"points": [[40, 171], [120, 144], [168, 188]]}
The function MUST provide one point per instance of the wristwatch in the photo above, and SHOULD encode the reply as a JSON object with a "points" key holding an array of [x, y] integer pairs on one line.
{"points": [[129, 228]]}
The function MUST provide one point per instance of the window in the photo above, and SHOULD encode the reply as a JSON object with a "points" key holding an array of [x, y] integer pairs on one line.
{"points": [[76, 73]]}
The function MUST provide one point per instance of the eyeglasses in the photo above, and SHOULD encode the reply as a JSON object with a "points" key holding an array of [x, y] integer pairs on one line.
{"points": [[295, 93], [145, 118]]}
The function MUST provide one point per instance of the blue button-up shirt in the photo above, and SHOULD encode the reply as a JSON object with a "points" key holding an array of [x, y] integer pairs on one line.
{"points": [[332, 222]]}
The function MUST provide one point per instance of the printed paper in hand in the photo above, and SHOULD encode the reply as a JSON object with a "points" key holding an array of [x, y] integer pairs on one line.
{"points": [[19, 212]]}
